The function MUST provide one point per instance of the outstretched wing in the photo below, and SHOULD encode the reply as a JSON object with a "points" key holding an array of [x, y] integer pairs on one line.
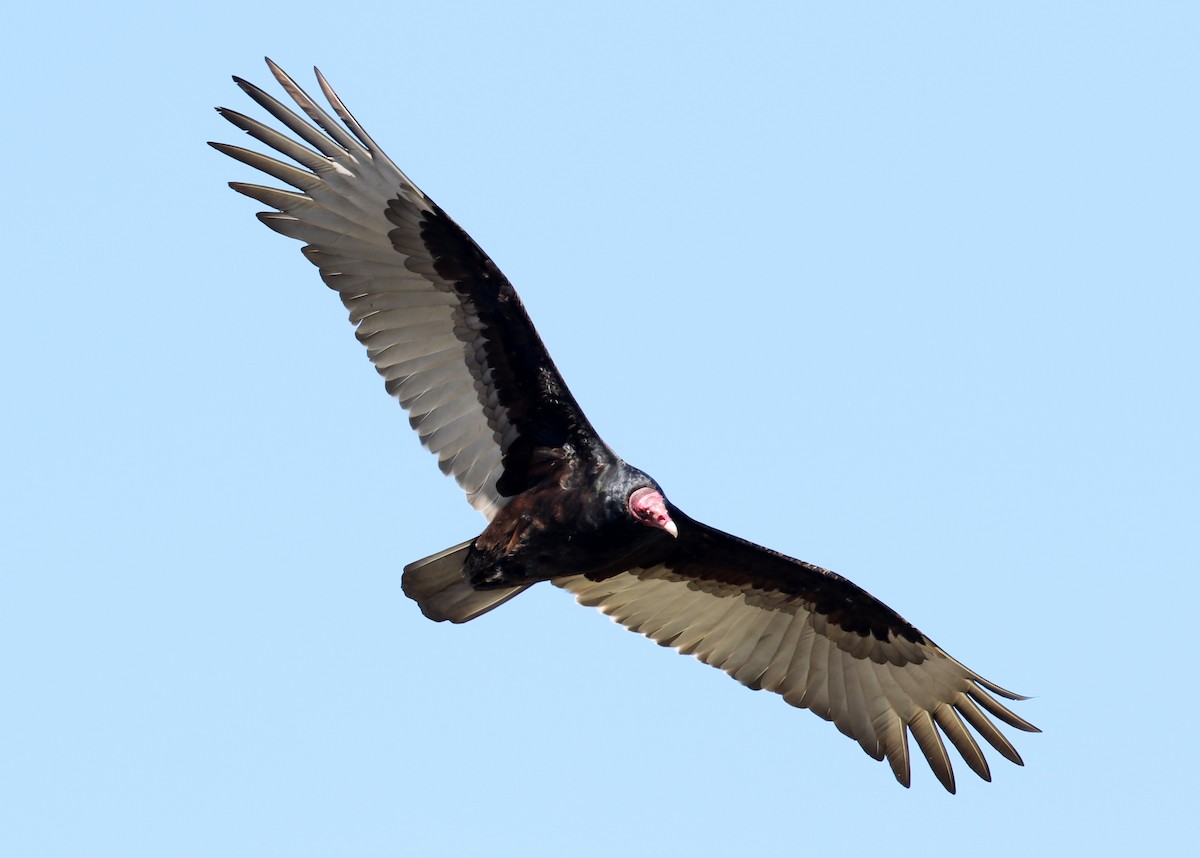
{"points": [[786, 626], [440, 322]]}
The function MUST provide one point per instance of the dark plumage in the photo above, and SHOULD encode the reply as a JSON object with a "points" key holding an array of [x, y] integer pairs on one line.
{"points": [[451, 338]]}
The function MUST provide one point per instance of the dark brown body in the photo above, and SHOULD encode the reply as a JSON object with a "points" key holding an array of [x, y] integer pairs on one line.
{"points": [[578, 522]]}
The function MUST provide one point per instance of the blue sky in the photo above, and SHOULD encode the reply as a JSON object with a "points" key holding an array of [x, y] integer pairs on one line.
{"points": [[921, 284]]}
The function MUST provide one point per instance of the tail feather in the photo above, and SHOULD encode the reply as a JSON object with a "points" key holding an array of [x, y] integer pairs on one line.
{"points": [[438, 584]]}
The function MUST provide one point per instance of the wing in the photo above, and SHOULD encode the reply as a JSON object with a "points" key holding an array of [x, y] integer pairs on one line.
{"points": [[440, 322], [786, 626]]}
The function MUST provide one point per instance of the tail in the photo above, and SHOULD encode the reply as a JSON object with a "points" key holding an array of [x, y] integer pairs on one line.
{"points": [[439, 585]]}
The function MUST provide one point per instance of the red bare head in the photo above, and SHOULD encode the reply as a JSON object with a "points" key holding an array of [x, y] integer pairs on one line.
{"points": [[650, 508]]}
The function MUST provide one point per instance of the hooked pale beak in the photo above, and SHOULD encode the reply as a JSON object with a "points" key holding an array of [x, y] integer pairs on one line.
{"points": [[650, 508]]}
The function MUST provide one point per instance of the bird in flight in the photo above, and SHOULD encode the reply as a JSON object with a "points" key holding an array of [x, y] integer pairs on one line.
{"points": [[453, 342]]}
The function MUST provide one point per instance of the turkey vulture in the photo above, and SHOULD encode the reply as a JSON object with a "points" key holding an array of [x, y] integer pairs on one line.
{"points": [[451, 338]]}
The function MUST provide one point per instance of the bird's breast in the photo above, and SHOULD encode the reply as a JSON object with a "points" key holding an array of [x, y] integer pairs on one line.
{"points": [[540, 536]]}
